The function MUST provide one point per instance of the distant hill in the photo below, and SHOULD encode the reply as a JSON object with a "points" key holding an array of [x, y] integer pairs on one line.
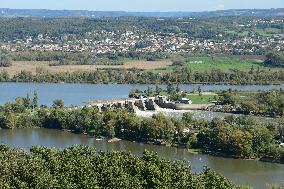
{"points": [[4, 12]]}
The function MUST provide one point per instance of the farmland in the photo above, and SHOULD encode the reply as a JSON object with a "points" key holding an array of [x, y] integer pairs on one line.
{"points": [[44, 66], [200, 64], [207, 63]]}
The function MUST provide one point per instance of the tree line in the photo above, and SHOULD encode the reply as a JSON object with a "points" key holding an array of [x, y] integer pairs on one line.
{"points": [[266, 103], [275, 59], [136, 76], [242, 137]]}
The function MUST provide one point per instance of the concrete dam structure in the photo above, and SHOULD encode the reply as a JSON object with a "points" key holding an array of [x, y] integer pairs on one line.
{"points": [[145, 104], [131, 104]]}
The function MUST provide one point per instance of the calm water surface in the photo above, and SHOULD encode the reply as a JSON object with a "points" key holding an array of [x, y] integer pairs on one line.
{"points": [[77, 94], [253, 173]]}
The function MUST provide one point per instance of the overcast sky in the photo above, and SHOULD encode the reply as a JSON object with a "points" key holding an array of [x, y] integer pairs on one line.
{"points": [[142, 5]]}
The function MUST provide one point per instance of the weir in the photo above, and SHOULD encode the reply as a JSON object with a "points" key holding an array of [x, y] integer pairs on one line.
{"points": [[144, 104], [129, 103]]}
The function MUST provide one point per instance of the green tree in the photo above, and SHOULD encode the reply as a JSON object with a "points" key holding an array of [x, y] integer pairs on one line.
{"points": [[10, 120], [58, 103], [158, 90], [35, 100], [199, 91]]}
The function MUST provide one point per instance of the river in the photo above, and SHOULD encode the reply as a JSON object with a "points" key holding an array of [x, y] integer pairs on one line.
{"points": [[77, 94], [253, 173], [245, 172]]}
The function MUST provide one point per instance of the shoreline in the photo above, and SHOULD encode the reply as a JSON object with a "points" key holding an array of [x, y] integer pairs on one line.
{"points": [[190, 150], [280, 83], [195, 151]]}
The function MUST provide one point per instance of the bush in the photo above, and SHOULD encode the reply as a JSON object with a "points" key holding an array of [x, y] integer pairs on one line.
{"points": [[5, 61]]}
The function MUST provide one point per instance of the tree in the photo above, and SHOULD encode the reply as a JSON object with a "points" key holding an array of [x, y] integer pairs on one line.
{"points": [[178, 61], [177, 88], [5, 61], [199, 91], [58, 103], [35, 100], [27, 101], [275, 59], [11, 120], [158, 90], [149, 92], [280, 129], [170, 89]]}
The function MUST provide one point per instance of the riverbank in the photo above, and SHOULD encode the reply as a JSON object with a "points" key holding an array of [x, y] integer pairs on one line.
{"points": [[137, 76], [36, 81], [220, 154], [196, 150], [184, 131], [270, 173]]}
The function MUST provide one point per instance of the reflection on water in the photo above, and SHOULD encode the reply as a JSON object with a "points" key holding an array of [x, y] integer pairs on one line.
{"points": [[252, 173]]}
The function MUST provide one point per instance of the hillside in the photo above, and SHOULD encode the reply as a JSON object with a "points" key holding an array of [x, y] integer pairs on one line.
{"points": [[4, 12]]}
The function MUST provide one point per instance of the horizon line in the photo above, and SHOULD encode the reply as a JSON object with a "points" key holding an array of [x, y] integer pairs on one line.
{"points": [[140, 11]]}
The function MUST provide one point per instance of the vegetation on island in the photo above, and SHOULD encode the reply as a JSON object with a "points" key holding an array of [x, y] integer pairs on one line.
{"points": [[267, 103], [261, 103], [241, 137]]}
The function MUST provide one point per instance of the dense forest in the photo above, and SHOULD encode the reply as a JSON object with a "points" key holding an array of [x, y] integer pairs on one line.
{"points": [[84, 167], [17, 28], [242, 137]]}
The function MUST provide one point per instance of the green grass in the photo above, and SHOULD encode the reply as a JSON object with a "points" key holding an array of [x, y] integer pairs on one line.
{"points": [[203, 99], [241, 34], [203, 64], [268, 31], [222, 63]]}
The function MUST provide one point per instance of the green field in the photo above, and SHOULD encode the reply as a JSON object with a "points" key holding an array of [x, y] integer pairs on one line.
{"points": [[268, 31], [203, 99], [223, 63]]}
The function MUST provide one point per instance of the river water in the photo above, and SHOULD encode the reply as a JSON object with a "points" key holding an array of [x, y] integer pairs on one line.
{"points": [[245, 172], [77, 94]]}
